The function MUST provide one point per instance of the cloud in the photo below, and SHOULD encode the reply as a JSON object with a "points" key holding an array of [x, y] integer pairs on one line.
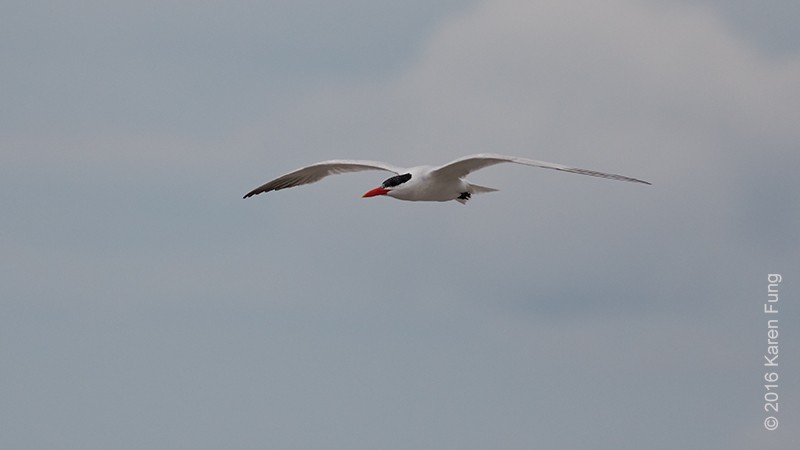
{"points": [[556, 312], [663, 92]]}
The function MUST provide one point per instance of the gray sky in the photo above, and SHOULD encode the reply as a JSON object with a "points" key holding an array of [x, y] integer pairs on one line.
{"points": [[144, 304]]}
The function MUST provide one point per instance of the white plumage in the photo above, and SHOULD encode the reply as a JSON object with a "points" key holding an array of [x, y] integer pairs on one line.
{"points": [[422, 183]]}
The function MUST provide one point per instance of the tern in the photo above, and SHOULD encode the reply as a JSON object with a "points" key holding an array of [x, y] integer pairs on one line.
{"points": [[422, 183]]}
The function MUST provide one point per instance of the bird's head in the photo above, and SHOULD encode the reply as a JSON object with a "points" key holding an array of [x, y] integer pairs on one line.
{"points": [[387, 186]]}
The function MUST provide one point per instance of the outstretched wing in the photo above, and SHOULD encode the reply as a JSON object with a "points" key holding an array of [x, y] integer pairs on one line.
{"points": [[318, 171], [463, 166]]}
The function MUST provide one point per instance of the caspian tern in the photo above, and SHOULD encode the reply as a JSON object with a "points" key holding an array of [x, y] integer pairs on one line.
{"points": [[422, 183]]}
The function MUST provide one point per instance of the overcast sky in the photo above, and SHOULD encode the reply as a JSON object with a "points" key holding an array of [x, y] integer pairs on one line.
{"points": [[145, 305]]}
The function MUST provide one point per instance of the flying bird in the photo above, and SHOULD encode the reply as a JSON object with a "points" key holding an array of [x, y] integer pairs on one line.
{"points": [[422, 183]]}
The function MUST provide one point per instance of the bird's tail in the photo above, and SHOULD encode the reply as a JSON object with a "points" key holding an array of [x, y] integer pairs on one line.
{"points": [[480, 189]]}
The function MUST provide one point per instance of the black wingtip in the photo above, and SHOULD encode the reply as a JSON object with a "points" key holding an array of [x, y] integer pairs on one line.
{"points": [[634, 180]]}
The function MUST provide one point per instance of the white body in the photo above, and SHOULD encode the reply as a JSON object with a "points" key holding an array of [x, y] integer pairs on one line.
{"points": [[428, 188]]}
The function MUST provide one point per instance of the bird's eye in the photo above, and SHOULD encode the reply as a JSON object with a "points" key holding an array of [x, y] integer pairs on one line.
{"points": [[396, 180]]}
